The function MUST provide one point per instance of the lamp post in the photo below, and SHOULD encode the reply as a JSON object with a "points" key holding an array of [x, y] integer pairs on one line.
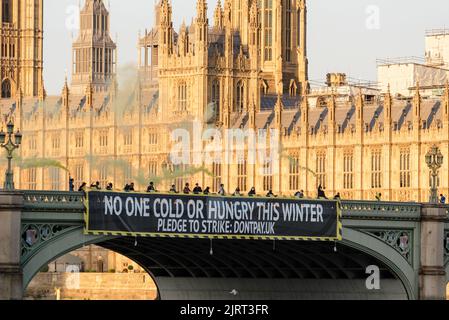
{"points": [[6, 142], [434, 160]]}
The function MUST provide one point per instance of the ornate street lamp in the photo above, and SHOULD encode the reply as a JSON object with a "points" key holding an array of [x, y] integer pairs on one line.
{"points": [[434, 160], [6, 142]]}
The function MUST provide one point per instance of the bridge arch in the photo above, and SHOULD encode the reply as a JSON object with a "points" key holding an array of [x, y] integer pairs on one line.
{"points": [[391, 257], [74, 238]]}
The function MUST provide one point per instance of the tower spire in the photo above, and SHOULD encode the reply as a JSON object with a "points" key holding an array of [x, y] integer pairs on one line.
{"points": [[94, 36], [218, 16]]}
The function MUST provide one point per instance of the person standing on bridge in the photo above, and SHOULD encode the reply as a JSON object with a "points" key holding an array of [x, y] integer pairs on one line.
{"points": [[379, 196], [270, 194], [95, 186], [206, 191], [110, 186], [442, 199], [321, 194], [129, 187], [187, 189], [222, 191], [299, 194], [71, 183], [197, 189], [82, 188], [252, 192], [151, 187], [237, 193], [173, 189]]}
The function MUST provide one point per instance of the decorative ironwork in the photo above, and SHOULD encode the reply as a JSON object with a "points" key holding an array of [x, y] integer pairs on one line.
{"points": [[400, 240], [434, 160], [6, 142], [54, 201], [35, 235], [381, 210]]}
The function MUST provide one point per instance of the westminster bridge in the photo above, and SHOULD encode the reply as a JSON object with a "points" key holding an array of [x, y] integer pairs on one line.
{"points": [[408, 243]]}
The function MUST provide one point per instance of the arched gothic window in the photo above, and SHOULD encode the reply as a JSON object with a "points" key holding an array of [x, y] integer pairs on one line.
{"points": [[6, 11], [216, 96], [182, 97], [240, 97], [6, 89]]}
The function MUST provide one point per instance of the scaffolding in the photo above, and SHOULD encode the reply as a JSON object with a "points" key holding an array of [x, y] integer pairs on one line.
{"points": [[400, 60], [437, 32]]}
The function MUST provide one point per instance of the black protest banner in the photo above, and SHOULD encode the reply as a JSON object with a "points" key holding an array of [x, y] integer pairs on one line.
{"points": [[152, 214]]}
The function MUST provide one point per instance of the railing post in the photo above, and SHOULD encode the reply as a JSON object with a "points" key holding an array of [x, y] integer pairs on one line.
{"points": [[11, 277], [432, 274]]}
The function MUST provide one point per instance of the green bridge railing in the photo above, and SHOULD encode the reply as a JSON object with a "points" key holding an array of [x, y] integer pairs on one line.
{"points": [[73, 202]]}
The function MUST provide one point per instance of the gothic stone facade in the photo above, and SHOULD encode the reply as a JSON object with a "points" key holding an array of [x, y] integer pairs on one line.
{"points": [[248, 70]]}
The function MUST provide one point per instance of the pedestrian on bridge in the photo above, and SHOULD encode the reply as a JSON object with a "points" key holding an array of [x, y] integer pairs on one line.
{"points": [[173, 189], [71, 184], [270, 194], [299, 194], [442, 199], [237, 193], [110, 187], [151, 187], [95, 185], [379, 196], [321, 193], [197, 189], [222, 191], [252, 192], [206, 191], [129, 187], [82, 188], [187, 189], [337, 197]]}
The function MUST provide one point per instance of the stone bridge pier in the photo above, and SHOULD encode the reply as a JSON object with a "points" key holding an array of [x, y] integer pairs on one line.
{"points": [[432, 274], [11, 276]]}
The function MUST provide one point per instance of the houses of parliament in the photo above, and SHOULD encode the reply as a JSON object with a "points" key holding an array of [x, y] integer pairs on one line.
{"points": [[248, 69]]}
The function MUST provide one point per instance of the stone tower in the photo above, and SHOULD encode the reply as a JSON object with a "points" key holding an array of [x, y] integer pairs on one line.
{"points": [[21, 37], [94, 53], [283, 44], [282, 40]]}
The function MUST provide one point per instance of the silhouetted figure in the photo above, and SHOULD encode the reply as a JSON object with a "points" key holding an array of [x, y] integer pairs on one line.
{"points": [[222, 191], [71, 184], [95, 185], [237, 192], [197, 189], [110, 186], [151, 187], [337, 196], [206, 191], [252, 192], [321, 194], [299, 194], [187, 189], [270, 194], [173, 189], [129, 187], [82, 188], [379, 196]]}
